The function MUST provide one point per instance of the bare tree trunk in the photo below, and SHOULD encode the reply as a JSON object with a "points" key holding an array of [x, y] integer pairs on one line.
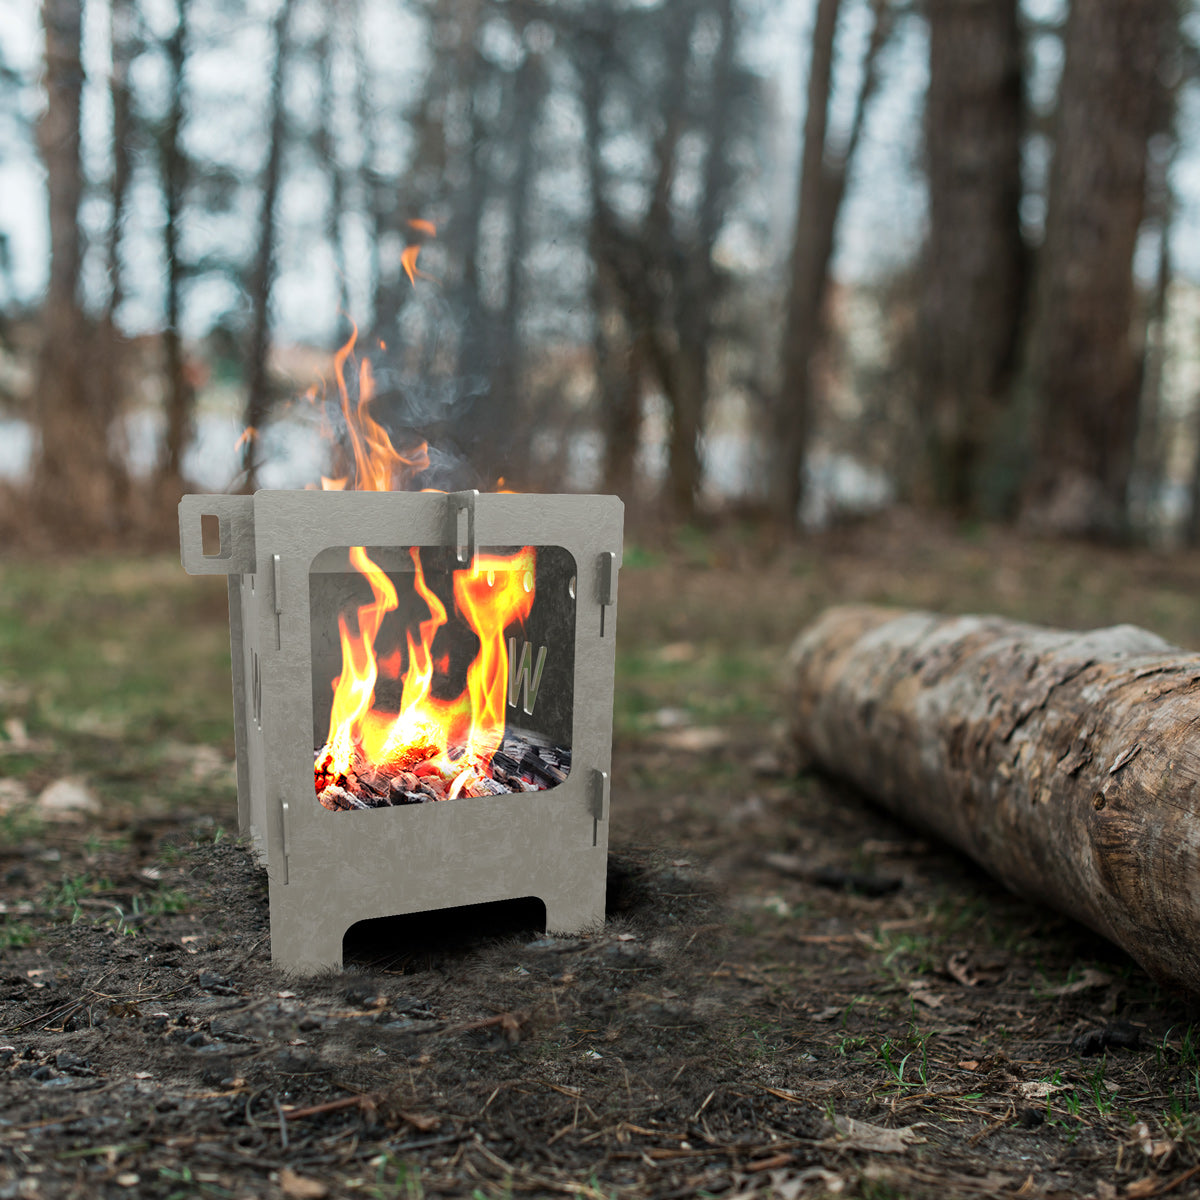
{"points": [[258, 394], [72, 486], [1084, 362], [617, 349], [181, 394], [501, 416], [110, 354], [821, 189], [619, 367], [973, 268], [1064, 763], [327, 151], [1149, 468]]}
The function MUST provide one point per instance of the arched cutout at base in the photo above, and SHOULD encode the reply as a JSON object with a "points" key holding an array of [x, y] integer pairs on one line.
{"points": [[417, 940]]}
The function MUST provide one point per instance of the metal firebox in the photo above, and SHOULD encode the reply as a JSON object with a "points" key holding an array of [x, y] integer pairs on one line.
{"points": [[283, 553]]}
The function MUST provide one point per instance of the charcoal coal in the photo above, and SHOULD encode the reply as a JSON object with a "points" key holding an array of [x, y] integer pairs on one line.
{"points": [[402, 795]]}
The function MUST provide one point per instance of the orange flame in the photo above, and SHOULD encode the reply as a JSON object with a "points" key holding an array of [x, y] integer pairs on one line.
{"points": [[449, 741], [422, 226], [451, 738], [378, 465], [408, 260]]}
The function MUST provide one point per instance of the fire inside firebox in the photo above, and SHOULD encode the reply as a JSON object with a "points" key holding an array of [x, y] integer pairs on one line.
{"points": [[434, 680]]}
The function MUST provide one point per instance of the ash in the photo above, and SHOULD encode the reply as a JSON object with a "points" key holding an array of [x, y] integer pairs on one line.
{"points": [[525, 762]]}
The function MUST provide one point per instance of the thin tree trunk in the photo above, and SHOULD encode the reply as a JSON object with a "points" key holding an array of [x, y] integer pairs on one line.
{"points": [[1084, 361], [181, 395], [808, 275], [1064, 763], [110, 356], [973, 264], [501, 418], [1150, 451], [71, 484], [373, 190], [622, 415], [258, 394], [617, 350], [328, 152]]}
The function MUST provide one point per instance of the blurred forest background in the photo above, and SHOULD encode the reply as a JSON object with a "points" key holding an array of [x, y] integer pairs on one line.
{"points": [[794, 258]]}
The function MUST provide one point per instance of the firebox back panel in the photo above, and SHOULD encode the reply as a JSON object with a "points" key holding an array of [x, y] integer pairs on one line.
{"points": [[540, 702]]}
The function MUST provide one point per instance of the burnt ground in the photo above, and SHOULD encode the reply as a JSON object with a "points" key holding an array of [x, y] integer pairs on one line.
{"points": [[793, 995]]}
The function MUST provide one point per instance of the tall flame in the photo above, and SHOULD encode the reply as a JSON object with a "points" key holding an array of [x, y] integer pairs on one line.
{"points": [[453, 738], [378, 465]]}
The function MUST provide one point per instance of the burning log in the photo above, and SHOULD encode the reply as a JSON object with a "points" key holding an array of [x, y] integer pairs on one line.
{"points": [[1066, 764], [524, 764]]}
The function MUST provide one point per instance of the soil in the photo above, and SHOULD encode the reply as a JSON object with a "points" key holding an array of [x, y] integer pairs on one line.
{"points": [[792, 996]]}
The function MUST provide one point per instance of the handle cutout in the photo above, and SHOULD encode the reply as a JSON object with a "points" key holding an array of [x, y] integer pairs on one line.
{"points": [[210, 536]]}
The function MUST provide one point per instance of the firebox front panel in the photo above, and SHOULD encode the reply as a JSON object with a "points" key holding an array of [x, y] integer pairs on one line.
{"points": [[327, 872]]}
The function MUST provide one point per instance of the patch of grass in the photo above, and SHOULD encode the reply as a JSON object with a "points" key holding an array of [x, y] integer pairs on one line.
{"points": [[15, 934], [635, 557], [109, 658], [395, 1179], [20, 825]]}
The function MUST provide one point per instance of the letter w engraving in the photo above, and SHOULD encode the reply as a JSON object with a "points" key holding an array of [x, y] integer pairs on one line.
{"points": [[519, 680]]}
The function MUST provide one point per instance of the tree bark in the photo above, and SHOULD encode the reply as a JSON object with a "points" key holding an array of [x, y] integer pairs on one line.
{"points": [[110, 354], [500, 450], [1084, 363], [1064, 763], [807, 282], [173, 171], [72, 484], [973, 267], [822, 186], [258, 397]]}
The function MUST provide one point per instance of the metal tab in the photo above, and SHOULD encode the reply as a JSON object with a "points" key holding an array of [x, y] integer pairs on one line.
{"points": [[277, 581], [285, 814], [606, 578], [598, 793], [462, 525], [606, 585]]}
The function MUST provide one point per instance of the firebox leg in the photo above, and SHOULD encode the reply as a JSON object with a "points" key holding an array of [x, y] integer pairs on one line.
{"points": [[572, 912], [301, 944]]}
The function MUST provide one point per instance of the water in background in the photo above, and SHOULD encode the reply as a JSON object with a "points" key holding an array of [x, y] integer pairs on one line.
{"points": [[294, 456]]}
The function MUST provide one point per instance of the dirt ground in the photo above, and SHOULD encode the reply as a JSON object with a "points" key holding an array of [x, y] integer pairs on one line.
{"points": [[793, 995]]}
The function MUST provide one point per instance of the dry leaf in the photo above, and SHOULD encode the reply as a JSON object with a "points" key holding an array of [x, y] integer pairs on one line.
{"points": [[875, 1139], [958, 968], [1143, 1187], [694, 739], [420, 1123], [301, 1188], [921, 995], [1039, 1089], [1091, 978], [827, 1014], [67, 800], [1151, 1148], [790, 1185]]}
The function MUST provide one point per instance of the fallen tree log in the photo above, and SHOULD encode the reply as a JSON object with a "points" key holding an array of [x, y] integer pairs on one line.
{"points": [[1066, 764]]}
